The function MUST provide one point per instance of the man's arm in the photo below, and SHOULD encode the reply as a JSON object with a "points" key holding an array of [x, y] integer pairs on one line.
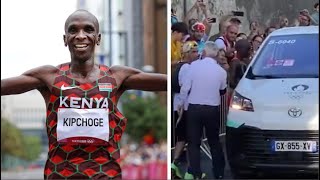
{"points": [[205, 21], [185, 88], [223, 85], [32, 79], [130, 78], [189, 13]]}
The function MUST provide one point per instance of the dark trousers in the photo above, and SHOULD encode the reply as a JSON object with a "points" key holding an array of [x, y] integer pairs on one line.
{"points": [[199, 116]]}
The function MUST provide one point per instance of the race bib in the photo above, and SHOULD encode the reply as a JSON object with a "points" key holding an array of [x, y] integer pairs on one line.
{"points": [[83, 126]]}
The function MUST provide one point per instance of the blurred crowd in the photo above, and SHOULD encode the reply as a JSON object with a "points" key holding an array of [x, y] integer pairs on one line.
{"points": [[194, 29], [139, 154], [206, 67], [231, 43], [144, 160]]}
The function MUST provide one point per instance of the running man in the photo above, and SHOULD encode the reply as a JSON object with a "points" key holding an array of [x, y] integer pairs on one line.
{"points": [[83, 124]]}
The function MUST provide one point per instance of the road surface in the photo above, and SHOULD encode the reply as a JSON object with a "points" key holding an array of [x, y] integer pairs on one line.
{"points": [[33, 174], [206, 167]]}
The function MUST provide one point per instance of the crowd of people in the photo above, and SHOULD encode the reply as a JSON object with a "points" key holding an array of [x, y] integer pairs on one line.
{"points": [[205, 65], [144, 161]]}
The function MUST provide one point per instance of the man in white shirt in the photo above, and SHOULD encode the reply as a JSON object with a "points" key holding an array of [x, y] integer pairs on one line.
{"points": [[190, 53], [206, 82]]}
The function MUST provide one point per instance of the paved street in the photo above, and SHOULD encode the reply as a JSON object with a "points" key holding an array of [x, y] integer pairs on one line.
{"points": [[33, 174], [207, 168]]}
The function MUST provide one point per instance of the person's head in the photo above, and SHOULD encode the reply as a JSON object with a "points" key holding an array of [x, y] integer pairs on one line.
{"points": [[241, 36], [256, 42], [235, 21], [190, 51], [191, 22], [174, 18], [221, 54], [198, 30], [210, 49], [222, 59], [304, 20], [223, 24], [232, 32], [254, 26], [284, 22], [81, 35], [269, 30], [178, 31], [243, 47], [316, 7]]}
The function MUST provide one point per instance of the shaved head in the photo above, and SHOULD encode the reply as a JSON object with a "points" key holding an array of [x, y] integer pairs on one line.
{"points": [[82, 12]]}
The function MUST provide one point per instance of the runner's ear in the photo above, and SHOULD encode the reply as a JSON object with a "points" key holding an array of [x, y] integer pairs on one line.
{"points": [[99, 39], [65, 40]]}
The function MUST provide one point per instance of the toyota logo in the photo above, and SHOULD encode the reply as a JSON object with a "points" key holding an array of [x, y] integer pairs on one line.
{"points": [[299, 88], [295, 112]]}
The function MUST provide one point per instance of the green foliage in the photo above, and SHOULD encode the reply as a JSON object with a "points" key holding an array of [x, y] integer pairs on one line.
{"points": [[33, 147], [15, 144], [144, 115], [11, 139]]}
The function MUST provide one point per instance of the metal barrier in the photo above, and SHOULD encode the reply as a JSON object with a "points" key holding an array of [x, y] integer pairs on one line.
{"points": [[223, 113], [223, 119]]}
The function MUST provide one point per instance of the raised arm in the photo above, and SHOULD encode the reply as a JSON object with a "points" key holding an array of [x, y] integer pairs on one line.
{"points": [[131, 78], [190, 13], [32, 79]]}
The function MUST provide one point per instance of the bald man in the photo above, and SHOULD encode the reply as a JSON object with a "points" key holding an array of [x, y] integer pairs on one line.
{"points": [[227, 41], [83, 124]]}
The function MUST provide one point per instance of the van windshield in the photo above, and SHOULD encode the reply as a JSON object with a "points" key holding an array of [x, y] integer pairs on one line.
{"points": [[290, 56]]}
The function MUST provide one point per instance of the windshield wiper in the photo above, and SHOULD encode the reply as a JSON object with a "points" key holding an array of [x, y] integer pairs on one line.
{"points": [[250, 75], [266, 76]]}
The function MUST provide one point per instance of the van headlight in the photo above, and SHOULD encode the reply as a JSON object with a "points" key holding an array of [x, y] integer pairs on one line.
{"points": [[241, 103]]}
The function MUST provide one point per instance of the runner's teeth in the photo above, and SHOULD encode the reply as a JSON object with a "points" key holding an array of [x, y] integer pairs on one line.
{"points": [[81, 46]]}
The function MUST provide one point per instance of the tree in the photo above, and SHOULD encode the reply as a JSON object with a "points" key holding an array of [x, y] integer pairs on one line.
{"points": [[32, 147], [15, 144], [144, 115], [11, 139]]}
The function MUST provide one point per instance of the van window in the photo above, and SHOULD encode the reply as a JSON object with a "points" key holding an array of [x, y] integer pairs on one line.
{"points": [[289, 56]]}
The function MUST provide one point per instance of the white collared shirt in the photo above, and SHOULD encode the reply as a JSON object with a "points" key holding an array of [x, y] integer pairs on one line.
{"points": [[220, 43], [204, 81], [181, 79]]}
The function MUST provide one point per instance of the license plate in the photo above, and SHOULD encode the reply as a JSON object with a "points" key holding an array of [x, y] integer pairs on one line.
{"points": [[295, 146]]}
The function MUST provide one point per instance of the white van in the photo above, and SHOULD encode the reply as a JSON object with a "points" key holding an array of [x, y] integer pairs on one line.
{"points": [[273, 119]]}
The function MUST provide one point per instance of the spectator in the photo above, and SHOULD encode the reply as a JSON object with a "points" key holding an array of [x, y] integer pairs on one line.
{"points": [[235, 21], [315, 15], [227, 41], [198, 6], [198, 35], [283, 22], [241, 36], [190, 54], [239, 64], [199, 30], [174, 18], [222, 59], [268, 31], [178, 31], [256, 43], [254, 29], [304, 18], [223, 24]]}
